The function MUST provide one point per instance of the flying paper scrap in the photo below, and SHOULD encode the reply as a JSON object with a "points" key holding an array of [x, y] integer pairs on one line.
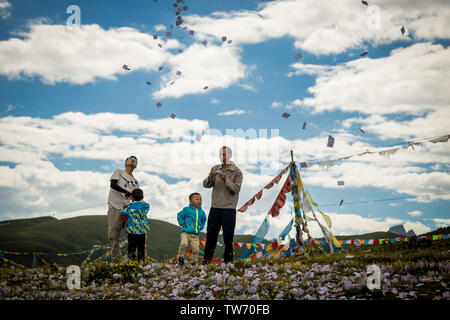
{"points": [[330, 143]]}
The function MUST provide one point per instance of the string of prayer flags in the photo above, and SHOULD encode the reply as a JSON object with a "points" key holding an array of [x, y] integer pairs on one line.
{"points": [[330, 143], [259, 194], [385, 151], [281, 198]]}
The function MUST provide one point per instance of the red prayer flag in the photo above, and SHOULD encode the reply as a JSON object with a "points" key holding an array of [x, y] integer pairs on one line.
{"points": [[274, 245]]}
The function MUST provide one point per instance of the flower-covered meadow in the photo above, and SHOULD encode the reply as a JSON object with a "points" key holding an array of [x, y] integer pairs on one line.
{"points": [[416, 270]]}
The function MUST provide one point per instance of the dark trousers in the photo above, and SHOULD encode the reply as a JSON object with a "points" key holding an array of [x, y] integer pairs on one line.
{"points": [[225, 218], [136, 241]]}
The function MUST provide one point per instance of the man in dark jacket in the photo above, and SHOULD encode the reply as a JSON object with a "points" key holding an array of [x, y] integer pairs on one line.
{"points": [[226, 181]]}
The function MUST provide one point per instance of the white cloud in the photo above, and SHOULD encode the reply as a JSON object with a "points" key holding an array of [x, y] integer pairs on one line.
{"points": [[214, 101], [5, 6], [233, 112], [409, 80], [80, 55], [415, 213], [212, 66], [441, 223], [433, 123], [276, 104], [160, 27], [324, 28]]}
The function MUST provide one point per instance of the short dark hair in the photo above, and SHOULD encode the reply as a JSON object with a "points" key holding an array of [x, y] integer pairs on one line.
{"points": [[131, 157], [137, 194], [193, 194]]}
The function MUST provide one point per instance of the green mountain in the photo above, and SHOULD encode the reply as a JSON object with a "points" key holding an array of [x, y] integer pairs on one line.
{"points": [[50, 235]]}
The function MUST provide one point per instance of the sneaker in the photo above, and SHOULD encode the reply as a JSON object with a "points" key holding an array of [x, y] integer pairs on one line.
{"points": [[181, 261]]}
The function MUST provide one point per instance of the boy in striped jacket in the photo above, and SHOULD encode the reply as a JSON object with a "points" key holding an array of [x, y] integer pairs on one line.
{"points": [[192, 219]]}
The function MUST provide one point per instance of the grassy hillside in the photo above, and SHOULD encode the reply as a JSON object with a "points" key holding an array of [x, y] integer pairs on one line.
{"points": [[50, 235], [47, 234]]}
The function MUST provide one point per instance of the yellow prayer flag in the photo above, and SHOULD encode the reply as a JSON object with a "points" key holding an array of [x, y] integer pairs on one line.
{"points": [[299, 182], [308, 196], [326, 218], [336, 242]]}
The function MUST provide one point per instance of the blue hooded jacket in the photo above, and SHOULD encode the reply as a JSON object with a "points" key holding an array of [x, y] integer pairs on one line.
{"points": [[194, 218]]}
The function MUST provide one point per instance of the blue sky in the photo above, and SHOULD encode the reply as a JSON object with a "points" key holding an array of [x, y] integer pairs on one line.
{"points": [[70, 114]]}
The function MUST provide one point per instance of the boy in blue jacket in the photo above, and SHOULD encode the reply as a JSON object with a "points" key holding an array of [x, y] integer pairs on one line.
{"points": [[192, 219], [135, 216]]}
